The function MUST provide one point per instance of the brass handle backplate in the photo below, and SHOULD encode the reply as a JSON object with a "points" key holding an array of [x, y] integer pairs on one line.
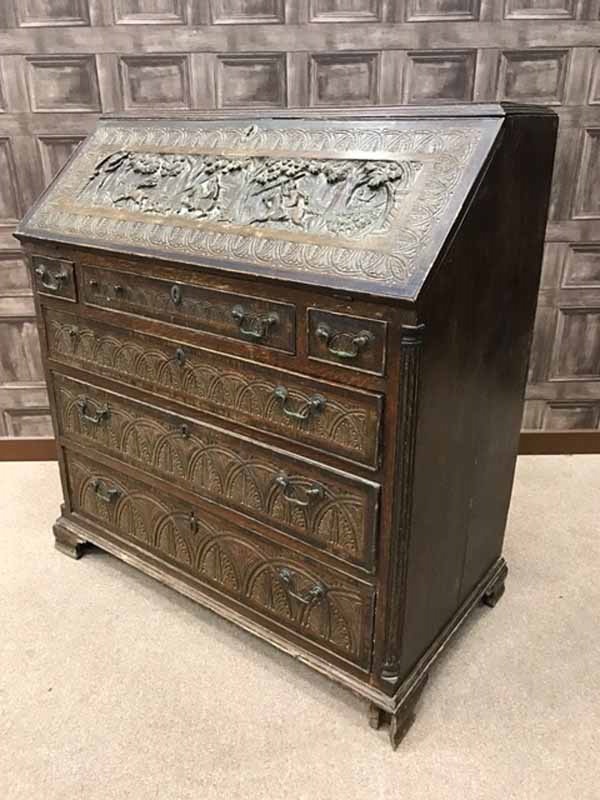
{"points": [[313, 595], [314, 405], [254, 326], [297, 495], [50, 280], [101, 415], [104, 493], [333, 340]]}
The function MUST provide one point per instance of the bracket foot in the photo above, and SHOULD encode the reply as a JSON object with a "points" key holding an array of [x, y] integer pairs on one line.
{"points": [[494, 592], [401, 720], [67, 542]]}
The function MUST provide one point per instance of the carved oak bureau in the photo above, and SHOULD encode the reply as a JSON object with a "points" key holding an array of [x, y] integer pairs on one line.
{"points": [[286, 359]]}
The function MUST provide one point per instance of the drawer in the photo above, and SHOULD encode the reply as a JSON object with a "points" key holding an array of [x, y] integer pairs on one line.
{"points": [[354, 342], [235, 316], [54, 276], [331, 609], [331, 510], [342, 421]]}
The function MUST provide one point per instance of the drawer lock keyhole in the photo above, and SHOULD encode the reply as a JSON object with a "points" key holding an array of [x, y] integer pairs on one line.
{"points": [[176, 294]]}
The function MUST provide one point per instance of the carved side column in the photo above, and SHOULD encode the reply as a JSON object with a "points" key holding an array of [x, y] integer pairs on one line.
{"points": [[410, 361]]}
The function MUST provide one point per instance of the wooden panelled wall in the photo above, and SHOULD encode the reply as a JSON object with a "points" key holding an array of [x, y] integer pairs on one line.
{"points": [[64, 61]]}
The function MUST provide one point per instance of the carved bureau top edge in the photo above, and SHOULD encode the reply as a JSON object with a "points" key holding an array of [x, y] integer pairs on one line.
{"points": [[347, 202]]}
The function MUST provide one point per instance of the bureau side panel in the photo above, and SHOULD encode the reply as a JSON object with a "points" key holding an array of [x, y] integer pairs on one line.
{"points": [[478, 310]]}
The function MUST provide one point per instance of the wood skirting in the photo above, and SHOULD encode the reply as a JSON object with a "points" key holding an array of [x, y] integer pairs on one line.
{"points": [[559, 442], [531, 443], [20, 449]]}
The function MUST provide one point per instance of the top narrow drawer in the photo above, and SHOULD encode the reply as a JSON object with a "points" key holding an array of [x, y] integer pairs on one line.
{"points": [[353, 342], [248, 319], [54, 277]]}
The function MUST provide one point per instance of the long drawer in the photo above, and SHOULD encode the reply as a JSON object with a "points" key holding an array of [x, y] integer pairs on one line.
{"points": [[340, 420], [331, 510], [330, 608], [268, 323]]}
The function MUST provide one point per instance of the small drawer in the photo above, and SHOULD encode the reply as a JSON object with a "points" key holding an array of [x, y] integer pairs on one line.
{"points": [[235, 316], [353, 342], [325, 416], [299, 593], [330, 510], [54, 276]]}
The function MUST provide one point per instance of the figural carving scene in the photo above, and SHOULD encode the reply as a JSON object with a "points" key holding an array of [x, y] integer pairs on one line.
{"points": [[187, 190], [340, 197]]}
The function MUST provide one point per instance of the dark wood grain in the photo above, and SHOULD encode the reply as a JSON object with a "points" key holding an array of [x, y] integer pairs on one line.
{"points": [[477, 311], [340, 489], [268, 324]]}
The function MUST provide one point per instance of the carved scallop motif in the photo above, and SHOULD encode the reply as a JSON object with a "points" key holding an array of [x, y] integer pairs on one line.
{"points": [[334, 610], [211, 226], [335, 513], [343, 424]]}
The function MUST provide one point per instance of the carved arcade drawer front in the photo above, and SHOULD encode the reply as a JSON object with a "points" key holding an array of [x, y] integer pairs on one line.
{"points": [[54, 277], [331, 510], [347, 341], [343, 421], [333, 610], [248, 319]]}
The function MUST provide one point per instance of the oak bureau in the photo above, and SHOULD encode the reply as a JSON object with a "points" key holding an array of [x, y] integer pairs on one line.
{"points": [[286, 358]]}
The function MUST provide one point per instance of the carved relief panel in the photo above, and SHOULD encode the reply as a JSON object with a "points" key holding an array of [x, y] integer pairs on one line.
{"points": [[352, 198]]}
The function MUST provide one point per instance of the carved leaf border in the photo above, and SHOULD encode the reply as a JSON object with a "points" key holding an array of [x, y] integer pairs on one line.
{"points": [[446, 151]]}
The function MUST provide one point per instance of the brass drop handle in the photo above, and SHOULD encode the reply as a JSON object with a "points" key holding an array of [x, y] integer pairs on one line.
{"points": [[254, 326], [180, 356], [193, 521], [118, 290], [103, 493], [292, 489], [73, 331], [95, 419], [51, 280], [313, 595], [358, 341], [314, 405]]}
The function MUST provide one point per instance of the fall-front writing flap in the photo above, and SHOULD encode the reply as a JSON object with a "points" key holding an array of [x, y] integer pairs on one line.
{"points": [[353, 204]]}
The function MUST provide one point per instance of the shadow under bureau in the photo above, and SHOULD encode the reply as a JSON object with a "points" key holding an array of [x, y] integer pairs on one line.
{"points": [[286, 359]]}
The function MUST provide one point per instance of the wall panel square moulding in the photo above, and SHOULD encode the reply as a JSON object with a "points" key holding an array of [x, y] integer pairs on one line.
{"points": [[63, 83]]}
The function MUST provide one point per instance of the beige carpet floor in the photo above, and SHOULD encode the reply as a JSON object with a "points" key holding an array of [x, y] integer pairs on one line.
{"points": [[112, 686]]}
